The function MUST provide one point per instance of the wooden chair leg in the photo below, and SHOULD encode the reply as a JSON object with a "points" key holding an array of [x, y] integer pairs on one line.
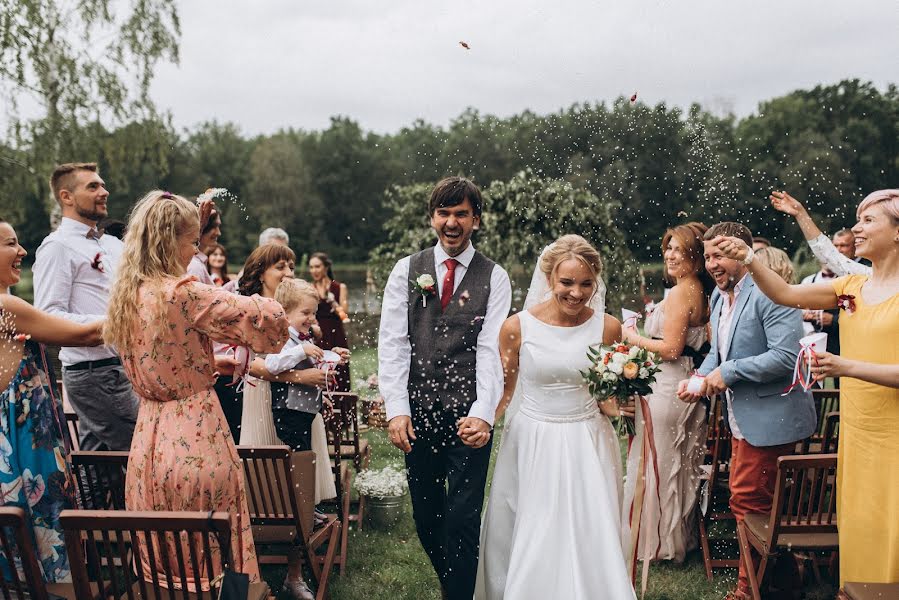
{"points": [[746, 558], [328, 562], [704, 543]]}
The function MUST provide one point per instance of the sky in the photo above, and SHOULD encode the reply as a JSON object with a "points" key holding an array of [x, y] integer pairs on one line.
{"points": [[272, 64]]}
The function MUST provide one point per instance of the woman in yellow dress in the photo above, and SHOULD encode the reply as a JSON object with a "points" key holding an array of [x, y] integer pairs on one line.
{"points": [[868, 459]]}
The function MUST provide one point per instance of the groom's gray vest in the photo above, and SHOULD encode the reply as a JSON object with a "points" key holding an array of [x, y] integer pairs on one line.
{"points": [[444, 344]]}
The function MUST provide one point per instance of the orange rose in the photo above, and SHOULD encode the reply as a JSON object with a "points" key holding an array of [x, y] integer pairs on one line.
{"points": [[630, 370]]}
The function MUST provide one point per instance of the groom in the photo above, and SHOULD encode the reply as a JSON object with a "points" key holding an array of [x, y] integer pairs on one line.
{"points": [[441, 378]]}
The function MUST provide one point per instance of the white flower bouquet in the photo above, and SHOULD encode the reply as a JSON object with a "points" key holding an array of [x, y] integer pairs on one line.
{"points": [[388, 482], [621, 372]]}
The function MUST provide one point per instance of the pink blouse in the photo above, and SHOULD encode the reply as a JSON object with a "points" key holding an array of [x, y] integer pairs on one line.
{"points": [[180, 363]]}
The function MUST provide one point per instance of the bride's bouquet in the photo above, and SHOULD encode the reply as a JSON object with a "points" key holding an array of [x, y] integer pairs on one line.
{"points": [[621, 372]]}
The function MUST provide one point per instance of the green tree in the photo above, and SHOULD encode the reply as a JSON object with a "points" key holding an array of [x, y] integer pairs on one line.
{"points": [[282, 193], [78, 60], [521, 216]]}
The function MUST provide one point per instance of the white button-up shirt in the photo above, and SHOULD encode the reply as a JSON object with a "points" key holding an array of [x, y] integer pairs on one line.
{"points": [[290, 355], [197, 268], [73, 276], [395, 350], [724, 322]]}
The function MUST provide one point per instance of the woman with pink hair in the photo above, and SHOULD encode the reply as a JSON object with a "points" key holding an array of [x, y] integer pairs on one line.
{"points": [[868, 462]]}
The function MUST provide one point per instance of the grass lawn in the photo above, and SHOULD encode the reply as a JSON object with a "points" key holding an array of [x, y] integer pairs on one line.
{"points": [[391, 565]]}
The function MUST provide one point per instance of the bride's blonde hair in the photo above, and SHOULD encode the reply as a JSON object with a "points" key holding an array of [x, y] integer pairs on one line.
{"points": [[150, 256], [570, 246]]}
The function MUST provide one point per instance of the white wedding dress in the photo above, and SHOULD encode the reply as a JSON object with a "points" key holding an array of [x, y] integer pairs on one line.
{"points": [[553, 524]]}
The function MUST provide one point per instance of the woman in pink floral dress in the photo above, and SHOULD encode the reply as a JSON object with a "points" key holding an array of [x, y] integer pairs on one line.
{"points": [[163, 323]]}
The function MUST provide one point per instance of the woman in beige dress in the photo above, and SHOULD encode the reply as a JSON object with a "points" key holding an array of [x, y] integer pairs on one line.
{"points": [[263, 271], [676, 329]]}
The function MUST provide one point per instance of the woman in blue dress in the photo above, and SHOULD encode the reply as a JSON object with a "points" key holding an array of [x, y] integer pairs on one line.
{"points": [[33, 471]]}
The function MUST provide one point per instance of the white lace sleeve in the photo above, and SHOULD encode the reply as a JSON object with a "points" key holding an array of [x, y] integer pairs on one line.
{"points": [[831, 258]]}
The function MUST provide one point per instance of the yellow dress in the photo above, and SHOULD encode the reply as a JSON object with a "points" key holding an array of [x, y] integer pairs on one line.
{"points": [[868, 460]]}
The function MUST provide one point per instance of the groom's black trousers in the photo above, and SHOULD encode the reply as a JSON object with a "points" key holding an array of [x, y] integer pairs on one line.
{"points": [[446, 481]]}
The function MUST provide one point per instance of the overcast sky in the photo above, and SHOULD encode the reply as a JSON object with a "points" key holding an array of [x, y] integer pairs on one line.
{"points": [[270, 64]]}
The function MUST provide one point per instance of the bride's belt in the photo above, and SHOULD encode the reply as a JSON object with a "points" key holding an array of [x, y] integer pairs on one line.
{"points": [[587, 415]]}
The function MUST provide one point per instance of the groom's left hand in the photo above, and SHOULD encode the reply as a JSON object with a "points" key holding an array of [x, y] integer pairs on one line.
{"points": [[473, 432]]}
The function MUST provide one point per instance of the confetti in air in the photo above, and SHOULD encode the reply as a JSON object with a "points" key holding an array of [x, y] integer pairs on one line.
{"points": [[634, 98], [465, 45]]}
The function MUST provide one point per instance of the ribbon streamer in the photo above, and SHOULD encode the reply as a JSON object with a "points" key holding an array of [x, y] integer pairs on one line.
{"points": [[807, 357], [648, 459]]}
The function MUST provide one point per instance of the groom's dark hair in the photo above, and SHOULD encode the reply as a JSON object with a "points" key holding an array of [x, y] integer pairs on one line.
{"points": [[452, 191], [729, 229]]}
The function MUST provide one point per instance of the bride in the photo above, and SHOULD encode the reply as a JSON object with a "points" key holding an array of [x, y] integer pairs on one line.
{"points": [[553, 526]]}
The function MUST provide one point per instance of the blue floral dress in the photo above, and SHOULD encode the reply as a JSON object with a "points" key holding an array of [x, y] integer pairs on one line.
{"points": [[32, 461]]}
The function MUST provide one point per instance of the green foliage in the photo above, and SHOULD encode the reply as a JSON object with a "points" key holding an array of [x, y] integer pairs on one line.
{"points": [[80, 60], [336, 190], [521, 216]]}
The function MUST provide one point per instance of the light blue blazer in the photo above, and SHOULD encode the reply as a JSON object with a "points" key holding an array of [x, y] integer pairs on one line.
{"points": [[764, 342]]}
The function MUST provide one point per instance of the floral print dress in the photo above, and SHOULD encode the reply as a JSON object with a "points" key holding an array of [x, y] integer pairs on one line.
{"points": [[182, 454], [32, 464]]}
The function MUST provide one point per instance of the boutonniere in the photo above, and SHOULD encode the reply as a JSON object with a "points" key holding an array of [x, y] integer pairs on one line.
{"points": [[846, 302], [97, 263], [424, 285]]}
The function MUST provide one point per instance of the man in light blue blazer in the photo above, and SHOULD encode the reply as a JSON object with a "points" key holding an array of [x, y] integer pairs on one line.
{"points": [[753, 351]]}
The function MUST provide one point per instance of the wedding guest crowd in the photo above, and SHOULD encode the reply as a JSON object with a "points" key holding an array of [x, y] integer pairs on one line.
{"points": [[148, 327]]}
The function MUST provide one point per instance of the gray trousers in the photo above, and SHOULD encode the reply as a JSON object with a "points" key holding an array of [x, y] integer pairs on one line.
{"points": [[106, 406]]}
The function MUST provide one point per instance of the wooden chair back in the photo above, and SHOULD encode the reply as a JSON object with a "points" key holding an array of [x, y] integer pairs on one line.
{"points": [[826, 401], [15, 542], [100, 479], [274, 494], [181, 552], [830, 441], [805, 496], [72, 426]]}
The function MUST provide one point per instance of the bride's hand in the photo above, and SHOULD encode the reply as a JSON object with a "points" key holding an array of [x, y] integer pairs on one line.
{"points": [[630, 335], [611, 408]]}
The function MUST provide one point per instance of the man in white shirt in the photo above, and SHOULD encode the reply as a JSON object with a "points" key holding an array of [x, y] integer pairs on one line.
{"points": [[73, 272], [441, 378]]}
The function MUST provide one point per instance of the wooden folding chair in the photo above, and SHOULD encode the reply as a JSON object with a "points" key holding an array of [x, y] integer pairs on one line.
{"points": [[100, 479], [281, 498], [342, 479], [713, 506], [868, 591], [826, 402], [72, 426], [802, 517], [352, 445], [186, 553], [16, 547]]}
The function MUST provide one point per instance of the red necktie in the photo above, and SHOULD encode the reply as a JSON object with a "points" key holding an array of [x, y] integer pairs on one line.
{"points": [[448, 282]]}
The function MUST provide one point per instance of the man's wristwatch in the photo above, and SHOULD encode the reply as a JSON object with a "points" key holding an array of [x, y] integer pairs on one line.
{"points": [[749, 257]]}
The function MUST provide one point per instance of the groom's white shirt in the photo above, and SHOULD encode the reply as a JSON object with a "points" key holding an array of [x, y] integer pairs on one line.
{"points": [[395, 351]]}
